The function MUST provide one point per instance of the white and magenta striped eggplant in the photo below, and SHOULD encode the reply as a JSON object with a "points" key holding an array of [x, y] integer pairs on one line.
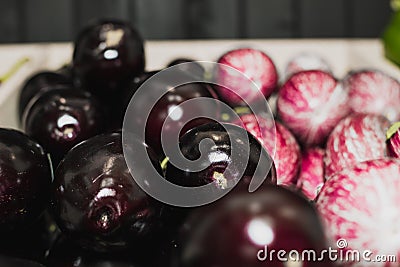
{"points": [[357, 138], [360, 207], [374, 92], [283, 147], [306, 61], [311, 177], [254, 64], [311, 103]]}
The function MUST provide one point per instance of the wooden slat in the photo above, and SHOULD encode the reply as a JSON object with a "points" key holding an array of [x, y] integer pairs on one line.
{"points": [[60, 20], [47, 20], [212, 19], [322, 18], [158, 19], [370, 17], [9, 23], [269, 18], [88, 11]]}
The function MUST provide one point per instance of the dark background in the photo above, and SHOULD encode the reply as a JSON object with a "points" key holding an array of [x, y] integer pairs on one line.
{"points": [[60, 20]]}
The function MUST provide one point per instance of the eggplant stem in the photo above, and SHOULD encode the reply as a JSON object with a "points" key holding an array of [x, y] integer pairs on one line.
{"points": [[392, 130], [164, 163], [14, 68]]}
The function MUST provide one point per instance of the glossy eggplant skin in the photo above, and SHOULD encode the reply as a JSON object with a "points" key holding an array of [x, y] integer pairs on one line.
{"points": [[121, 104], [155, 124], [134, 86], [218, 156], [177, 61], [61, 118], [25, 181], [215, 160], [96, 201], [233, 231], [107, 56], [39, 83], [194, 69]]}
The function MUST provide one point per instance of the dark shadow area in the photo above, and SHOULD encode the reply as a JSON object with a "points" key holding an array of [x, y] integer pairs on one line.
{"points": [[60, 20]]}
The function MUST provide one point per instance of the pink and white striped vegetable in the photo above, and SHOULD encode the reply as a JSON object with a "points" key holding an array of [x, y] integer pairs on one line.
{"points": [[311, 177], [357, 138], [374, 92], [283, 148], [310, 104], [256, 65], [306, 61], [360, 205]]}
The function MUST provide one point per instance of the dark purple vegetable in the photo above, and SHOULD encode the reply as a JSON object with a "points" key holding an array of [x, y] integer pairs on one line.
{"points": [[61, 118], [107, 56], [96, 200], [25, 178], [39, 83], [211, 144], [242, 230]]}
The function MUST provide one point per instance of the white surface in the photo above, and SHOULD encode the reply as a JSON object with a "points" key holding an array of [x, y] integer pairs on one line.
{"points": [[342, 55]]}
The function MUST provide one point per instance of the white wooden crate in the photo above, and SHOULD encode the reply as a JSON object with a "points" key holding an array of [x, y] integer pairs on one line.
{"points": [[342, 55]]}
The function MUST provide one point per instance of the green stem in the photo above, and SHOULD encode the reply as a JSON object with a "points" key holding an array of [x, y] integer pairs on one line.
{"points": [[164, 163], [392, 130], [14, 68]]}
